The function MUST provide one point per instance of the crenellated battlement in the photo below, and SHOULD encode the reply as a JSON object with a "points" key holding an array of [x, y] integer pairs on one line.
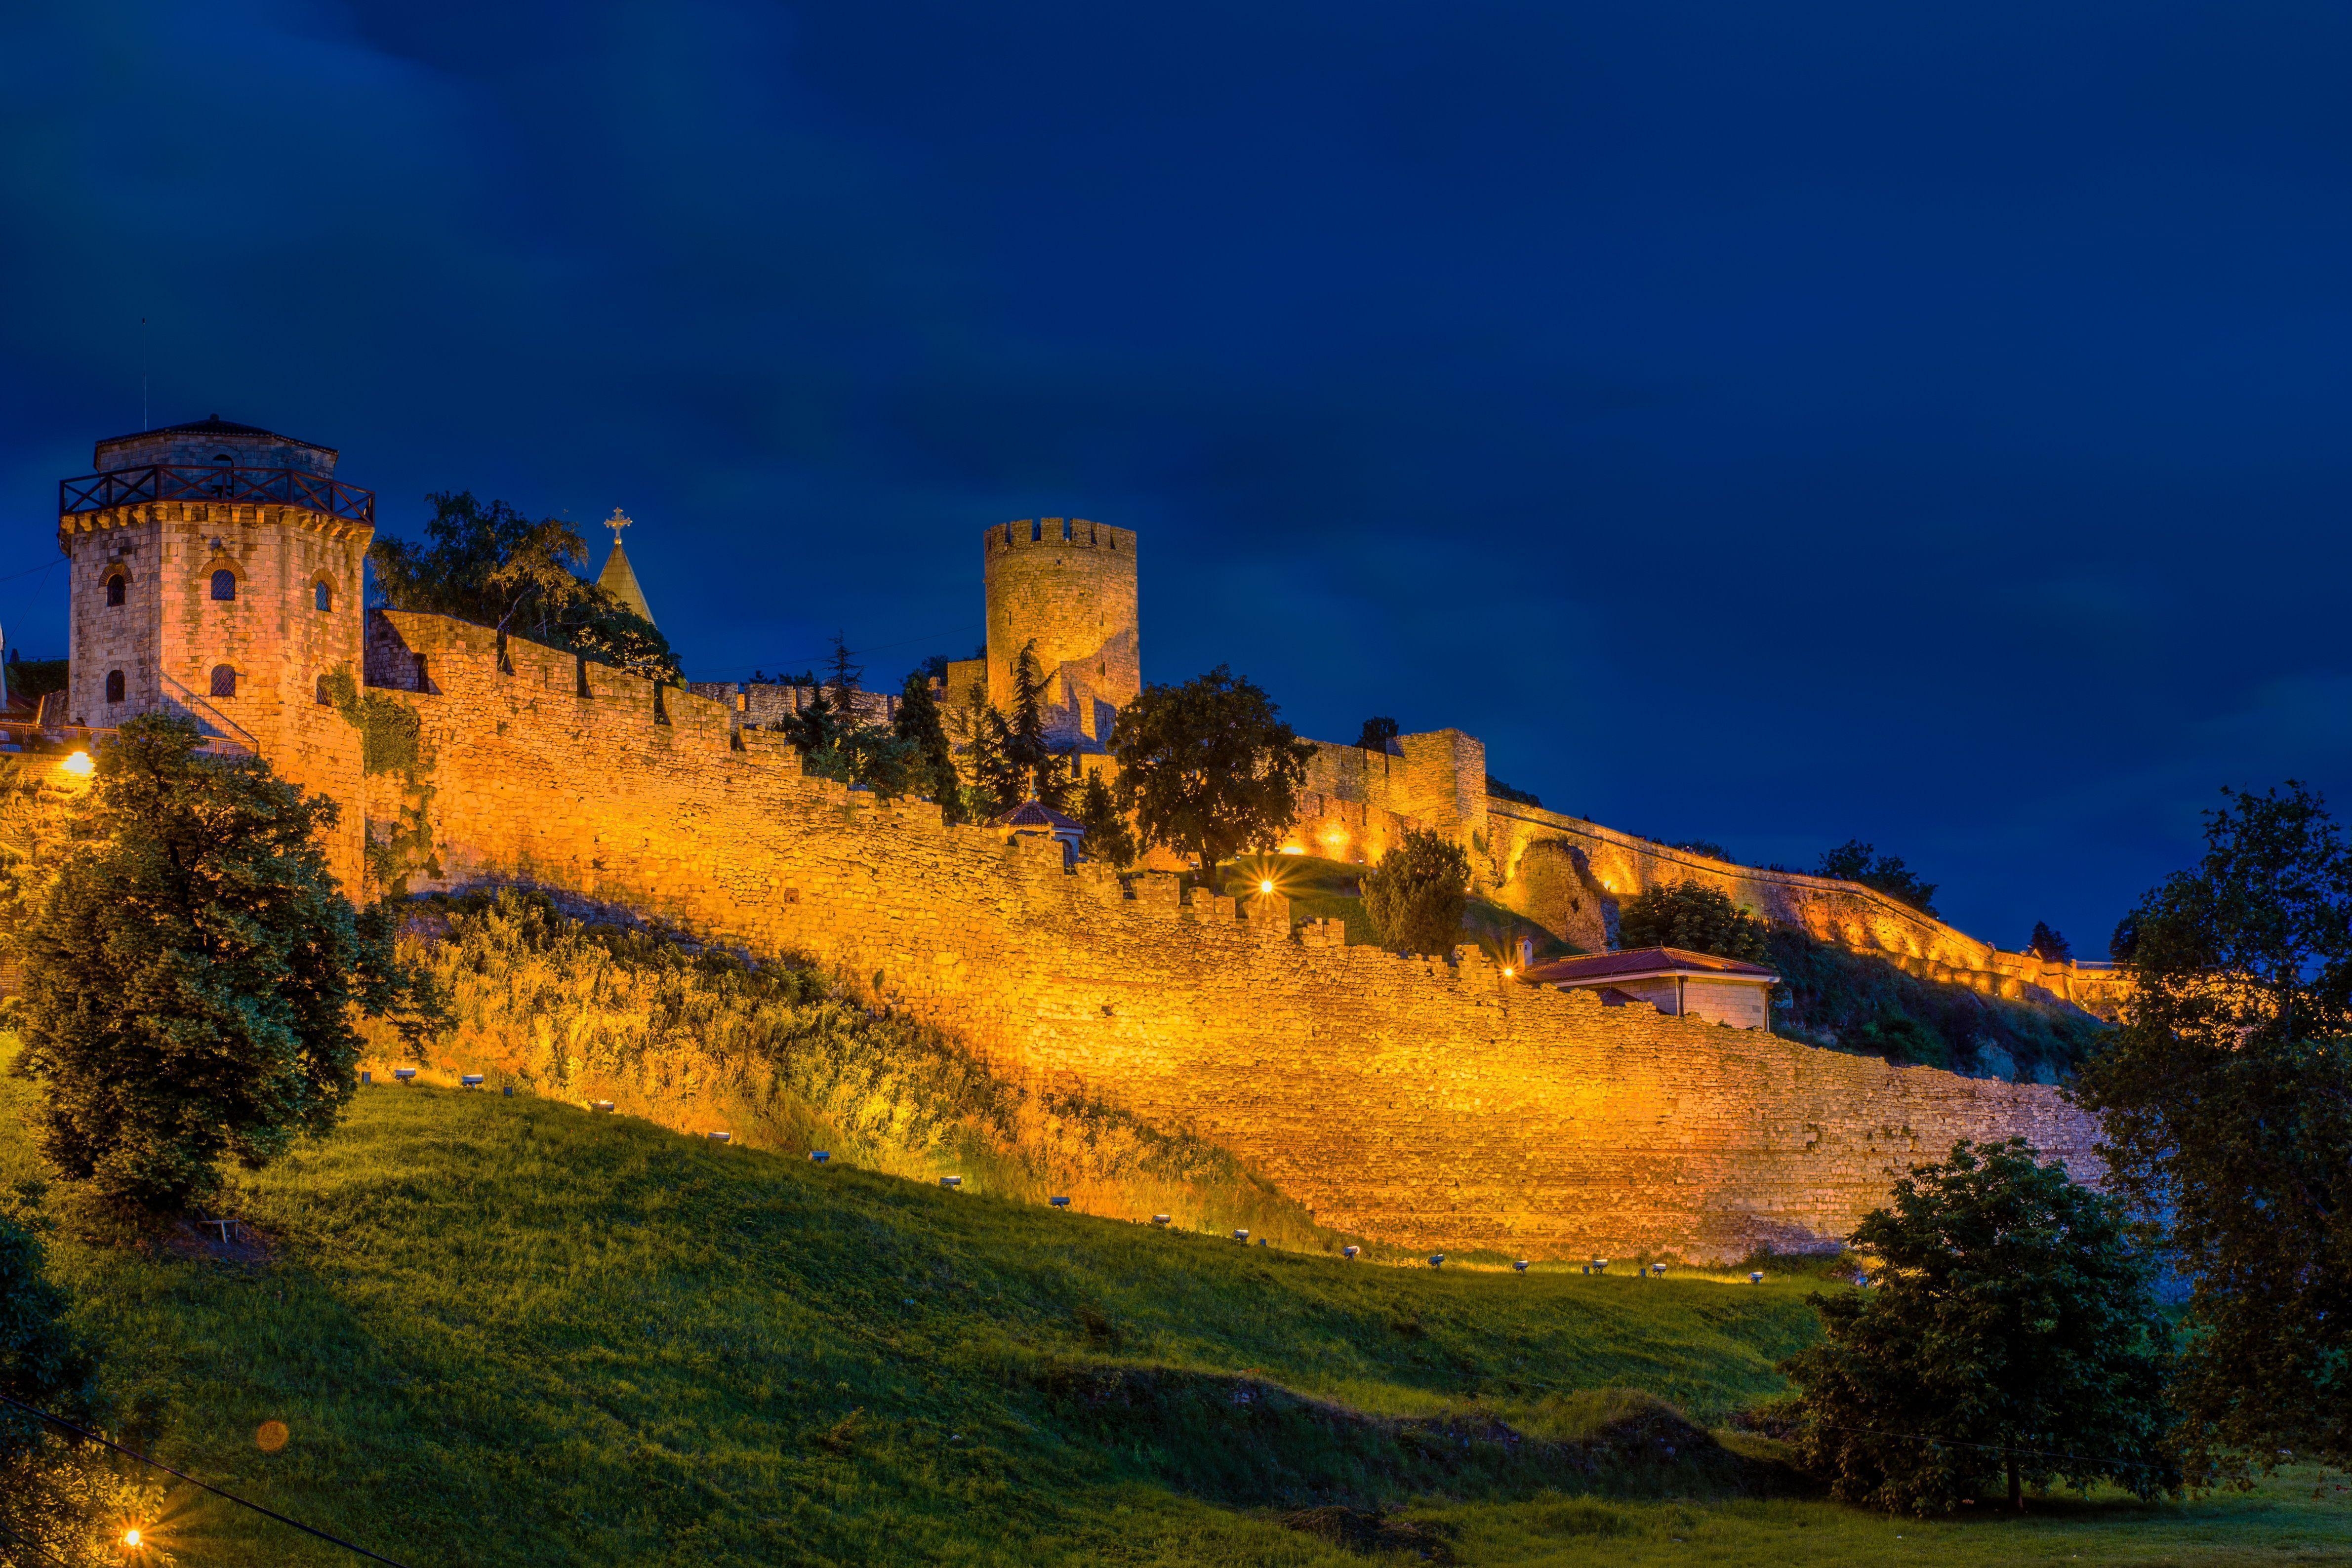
{"points": [[1070, 533]]}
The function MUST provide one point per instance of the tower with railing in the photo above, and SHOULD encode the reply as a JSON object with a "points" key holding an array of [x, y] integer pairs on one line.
{"points": [[215, 572]]}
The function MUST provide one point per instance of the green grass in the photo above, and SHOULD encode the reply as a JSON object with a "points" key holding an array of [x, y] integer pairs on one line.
{"points": [[1321, 889], [506, 1331]]}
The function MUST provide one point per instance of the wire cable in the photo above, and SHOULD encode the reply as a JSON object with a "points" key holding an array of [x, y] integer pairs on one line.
{"points": [[36, 1545], [207, 1486], [31, 569]]}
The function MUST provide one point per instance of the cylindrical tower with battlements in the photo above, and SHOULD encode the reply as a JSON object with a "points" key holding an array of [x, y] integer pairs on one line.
{"points": [[216, 573], [1069, 586]]}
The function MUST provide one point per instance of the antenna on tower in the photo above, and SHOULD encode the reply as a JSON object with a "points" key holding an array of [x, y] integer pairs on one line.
{"points": [[143, 357]]}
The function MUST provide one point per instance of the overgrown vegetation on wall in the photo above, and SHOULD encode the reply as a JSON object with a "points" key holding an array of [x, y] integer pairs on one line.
{"points": [[1848, 1001], [781, 1057], [390, 742]]}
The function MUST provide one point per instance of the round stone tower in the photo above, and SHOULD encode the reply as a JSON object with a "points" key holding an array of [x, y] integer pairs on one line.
{"points": [[1069, 586], [216, 573]]}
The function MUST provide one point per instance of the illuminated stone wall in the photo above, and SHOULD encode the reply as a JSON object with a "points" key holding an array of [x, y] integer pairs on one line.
{"points": [[1433, 1104]]}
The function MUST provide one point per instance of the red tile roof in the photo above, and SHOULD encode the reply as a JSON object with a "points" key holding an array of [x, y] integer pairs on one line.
{"points": [[1643, 963]]}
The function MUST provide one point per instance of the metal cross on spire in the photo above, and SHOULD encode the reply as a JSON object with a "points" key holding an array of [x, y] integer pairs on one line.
{"points": [[617, 522]]}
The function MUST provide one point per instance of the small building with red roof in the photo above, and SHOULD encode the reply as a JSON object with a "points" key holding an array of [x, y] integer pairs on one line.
{"points": [[1673, 979]]}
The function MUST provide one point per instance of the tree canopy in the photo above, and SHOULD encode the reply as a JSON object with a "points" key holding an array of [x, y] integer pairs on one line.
{"points": [[496, 568], [57, 1496], [1208, 768], [1376, 735], [1012, 756], [1108, 837], [2047, 944], [1855, 861], [2010, 1337], [193, 974], [917, 722], [1693, 917], [2226, 1102], [1417, 894]]}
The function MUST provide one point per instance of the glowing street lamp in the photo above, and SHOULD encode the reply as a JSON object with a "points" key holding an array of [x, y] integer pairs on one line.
{"points": [[130, 1536], [1266, 886], [80, 765]]}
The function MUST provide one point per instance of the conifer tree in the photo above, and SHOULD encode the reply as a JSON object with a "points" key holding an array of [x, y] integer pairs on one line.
{"points": [[917, 722], [191, 975], [1108, 838], [815, 728], [846, 675]]}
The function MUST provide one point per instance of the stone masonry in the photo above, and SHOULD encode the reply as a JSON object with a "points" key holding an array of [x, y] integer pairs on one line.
{"points": [[1430, 1103]]}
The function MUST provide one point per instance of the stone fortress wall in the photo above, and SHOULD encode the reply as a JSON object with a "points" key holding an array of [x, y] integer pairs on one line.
{"points": [[1569, 875], [1430, 1103]]}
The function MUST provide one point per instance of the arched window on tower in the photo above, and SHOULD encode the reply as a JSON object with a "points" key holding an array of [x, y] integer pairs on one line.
{"points": [[325, 594], [114, 685], [223, 584], [118, 588], [224, 681]]}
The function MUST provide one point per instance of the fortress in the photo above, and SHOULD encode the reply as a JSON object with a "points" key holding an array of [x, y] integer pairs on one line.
{"points": [[216, 571]]}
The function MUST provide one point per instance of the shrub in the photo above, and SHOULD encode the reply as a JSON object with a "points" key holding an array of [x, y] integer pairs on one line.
{"points": [[1417, 894]]}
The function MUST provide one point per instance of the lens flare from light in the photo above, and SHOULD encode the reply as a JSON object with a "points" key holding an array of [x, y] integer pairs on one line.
{"points": [[1267, 886], [80, 765], [130, 1536]]}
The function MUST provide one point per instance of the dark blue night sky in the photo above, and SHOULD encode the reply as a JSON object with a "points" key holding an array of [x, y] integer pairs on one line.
{"points": [[1767, 424]]}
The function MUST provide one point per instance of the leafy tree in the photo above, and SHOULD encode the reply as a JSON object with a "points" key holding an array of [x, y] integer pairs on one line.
{"points": [[2048, 945], [1693, 917], [1108, 838], [1707, 847], [492, 566], [1207, 768], [2226, 1102], [1855, 861], [1417, 894], [918, 723], [1376, 735], [58, 1496], [2012, 1337], [192, 973], [1502, 791]]}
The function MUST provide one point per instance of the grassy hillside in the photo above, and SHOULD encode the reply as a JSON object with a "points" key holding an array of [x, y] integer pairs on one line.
{"points": [[704, 1039], [507, 1331], [1849, 1001]]}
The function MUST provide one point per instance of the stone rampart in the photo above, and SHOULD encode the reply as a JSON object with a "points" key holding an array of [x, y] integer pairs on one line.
{"points": [[1612, 867], [1429, 1103]]}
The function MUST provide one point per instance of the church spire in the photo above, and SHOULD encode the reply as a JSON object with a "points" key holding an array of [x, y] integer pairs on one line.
{"points": [[617, 579]]}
